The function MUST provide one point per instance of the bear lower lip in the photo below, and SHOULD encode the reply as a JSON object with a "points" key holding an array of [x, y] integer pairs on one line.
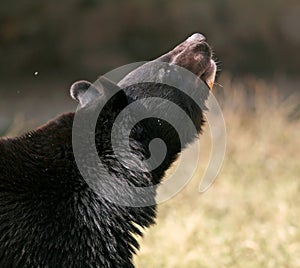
{"points": [[210, 74]]}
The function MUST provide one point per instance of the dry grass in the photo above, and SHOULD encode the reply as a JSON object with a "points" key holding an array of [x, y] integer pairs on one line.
{"points": [[250, 216]]}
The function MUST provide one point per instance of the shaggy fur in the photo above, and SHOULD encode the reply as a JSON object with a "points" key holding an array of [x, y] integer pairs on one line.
{"points": [[49, 217]]}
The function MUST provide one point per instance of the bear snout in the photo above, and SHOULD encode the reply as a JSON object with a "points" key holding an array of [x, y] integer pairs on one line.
{"points": [[196, 37]]}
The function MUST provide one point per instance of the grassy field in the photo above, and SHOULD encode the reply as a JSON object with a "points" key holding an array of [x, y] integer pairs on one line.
{"points": [[250, 216]]}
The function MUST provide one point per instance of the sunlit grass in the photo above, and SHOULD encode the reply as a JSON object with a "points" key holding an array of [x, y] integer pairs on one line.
{"points": [[250, 216]]}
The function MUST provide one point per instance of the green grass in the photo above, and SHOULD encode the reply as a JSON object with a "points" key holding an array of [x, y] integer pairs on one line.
{"points": [[250, 216]]}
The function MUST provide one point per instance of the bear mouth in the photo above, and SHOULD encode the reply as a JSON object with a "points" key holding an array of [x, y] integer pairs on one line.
{"points": [[195, 55], [207, 67], [209, 75]]}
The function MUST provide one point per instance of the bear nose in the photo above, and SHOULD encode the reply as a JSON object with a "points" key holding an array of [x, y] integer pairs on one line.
{"points": [[203, 47], [197, 37]]}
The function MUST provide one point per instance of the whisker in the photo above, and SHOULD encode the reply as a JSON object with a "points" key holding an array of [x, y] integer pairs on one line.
{"points": [[219, 85]]}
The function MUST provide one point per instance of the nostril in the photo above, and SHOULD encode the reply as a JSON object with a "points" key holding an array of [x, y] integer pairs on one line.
{"points": [[203, 48], [197, 37]]}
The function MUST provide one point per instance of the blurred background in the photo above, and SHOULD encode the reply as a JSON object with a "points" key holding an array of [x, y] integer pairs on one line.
{"points": [[45, 46], [250, 217]]}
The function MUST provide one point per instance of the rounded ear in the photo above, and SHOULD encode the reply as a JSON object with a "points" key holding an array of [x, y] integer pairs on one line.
{"points": [[84, 92]]}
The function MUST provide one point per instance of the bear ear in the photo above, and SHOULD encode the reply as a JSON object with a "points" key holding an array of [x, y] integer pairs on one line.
{"points": [[84, 92]]}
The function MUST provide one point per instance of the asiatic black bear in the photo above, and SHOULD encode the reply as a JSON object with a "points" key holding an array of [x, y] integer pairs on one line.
{"points": [[49, 215]]}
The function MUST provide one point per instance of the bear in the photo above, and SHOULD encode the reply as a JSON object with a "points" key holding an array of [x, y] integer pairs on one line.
{"points": [[50, 216]]}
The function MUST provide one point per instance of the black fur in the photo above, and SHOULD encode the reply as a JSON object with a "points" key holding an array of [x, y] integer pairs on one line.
{"points": [[49, 217]]}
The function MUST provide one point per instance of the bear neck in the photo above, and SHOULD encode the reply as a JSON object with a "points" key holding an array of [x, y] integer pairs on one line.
{"points": [[52, 195], [175, 140]]}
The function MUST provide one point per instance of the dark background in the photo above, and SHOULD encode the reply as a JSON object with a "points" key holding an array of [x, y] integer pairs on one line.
{"points": [[80, 39], [88, 37]]}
